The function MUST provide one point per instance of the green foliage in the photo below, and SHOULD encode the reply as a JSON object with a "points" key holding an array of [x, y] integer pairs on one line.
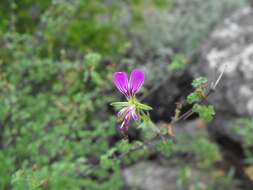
{"points": [[183, 176], [199, 93], [84, 30], [178, 63], [56, 64], [200, 173], [123, 146], [165, 147], [245, 129], [162, 3], [178, 29], [119, 105], [28, 179], [50, 114], [52, 124], [92, 59], [194, 97], [143, 106], [205, 112], [133, 102], [205, 180], [205, 152], [198, 82]]}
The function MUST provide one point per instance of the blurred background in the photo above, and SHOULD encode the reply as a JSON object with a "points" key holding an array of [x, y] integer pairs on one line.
{"points": [[57, 128]]}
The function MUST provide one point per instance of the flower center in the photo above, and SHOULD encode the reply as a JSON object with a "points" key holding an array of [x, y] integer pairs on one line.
{"points": [[133, 102]]}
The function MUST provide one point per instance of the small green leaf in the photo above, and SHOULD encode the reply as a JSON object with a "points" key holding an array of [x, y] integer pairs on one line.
{"points": [[143, 116], [194, 97], [143, 106], [199, 81], [205, 112]]}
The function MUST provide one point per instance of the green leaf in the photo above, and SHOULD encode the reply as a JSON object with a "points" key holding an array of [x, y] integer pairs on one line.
{"points": [[143, 106], [143, 116], [119, 105], [205, 112], [194, 97], [199, 82], [178, 63]]}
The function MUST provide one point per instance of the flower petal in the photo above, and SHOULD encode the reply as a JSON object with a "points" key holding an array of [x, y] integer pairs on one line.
{"points": [[127, 119], [134, 116], [136, 81], [121, 82], [122, 113]]}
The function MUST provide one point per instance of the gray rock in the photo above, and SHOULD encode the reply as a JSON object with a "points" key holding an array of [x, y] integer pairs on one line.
{"points": [[150, 176], [164, 173], [231, 44], [164, 34]]}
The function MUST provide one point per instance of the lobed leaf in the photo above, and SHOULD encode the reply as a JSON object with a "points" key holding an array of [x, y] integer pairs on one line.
{"points": [[198, 82], [205, 112]]}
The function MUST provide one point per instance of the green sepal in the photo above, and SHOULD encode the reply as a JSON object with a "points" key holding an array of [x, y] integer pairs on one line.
{"points": [[119, 105], [143, 106]]}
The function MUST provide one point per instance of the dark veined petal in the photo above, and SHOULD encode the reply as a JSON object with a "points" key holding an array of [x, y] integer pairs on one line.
{"points": [[121, 82], [136, 81]]}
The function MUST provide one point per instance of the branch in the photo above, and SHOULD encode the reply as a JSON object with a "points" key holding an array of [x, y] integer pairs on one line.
{"points": [[150, 143], [154, 141]]}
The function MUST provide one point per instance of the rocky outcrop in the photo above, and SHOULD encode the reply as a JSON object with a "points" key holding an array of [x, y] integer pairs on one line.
{"points": [[164, 173], [150, 176], [231, 44]]}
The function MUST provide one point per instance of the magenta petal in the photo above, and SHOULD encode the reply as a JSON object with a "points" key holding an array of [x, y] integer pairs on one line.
{"points": [[136, 81], [127, 119], [121, 82], [134, 116], [122, 112]]}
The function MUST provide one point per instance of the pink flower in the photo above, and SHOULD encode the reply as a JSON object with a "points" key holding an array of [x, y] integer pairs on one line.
{"points": [[129, 88]]}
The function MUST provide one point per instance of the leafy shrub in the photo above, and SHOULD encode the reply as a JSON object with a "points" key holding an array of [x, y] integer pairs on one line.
{"points": [[56, 128], [54, 94]]}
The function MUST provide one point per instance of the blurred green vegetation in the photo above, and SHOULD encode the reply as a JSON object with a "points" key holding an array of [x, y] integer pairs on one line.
{"points": [[244, 128], [57, 59], [56, 63]]}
